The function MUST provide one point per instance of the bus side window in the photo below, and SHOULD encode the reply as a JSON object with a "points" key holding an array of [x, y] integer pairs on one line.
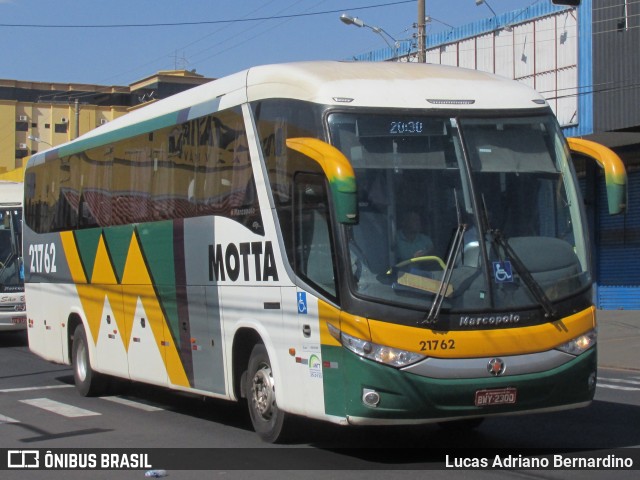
{"points": [[313, 258]]}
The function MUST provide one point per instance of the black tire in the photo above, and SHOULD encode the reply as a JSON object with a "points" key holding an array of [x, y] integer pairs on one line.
{"points": [[268, 420], [88, 382]]}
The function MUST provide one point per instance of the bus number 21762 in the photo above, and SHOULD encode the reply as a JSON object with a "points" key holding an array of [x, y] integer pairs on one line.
{"points": [[43, 258], [430, 345]]}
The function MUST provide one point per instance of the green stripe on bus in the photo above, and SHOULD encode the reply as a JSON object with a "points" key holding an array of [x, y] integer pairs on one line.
{"points": [[87, 241], [118, 240], [113, 136], [156, 240]]}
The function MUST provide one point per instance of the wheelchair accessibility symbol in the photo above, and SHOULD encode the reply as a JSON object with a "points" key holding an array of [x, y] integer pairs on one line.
{"points": [[302, 303], [502, 272]]}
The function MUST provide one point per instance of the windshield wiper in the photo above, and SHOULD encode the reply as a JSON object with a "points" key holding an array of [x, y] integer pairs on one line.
{"points": [[454, 251], [531, 283]]}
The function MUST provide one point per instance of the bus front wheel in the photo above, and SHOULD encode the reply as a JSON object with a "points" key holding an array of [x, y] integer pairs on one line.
{"points": [[88, 382], [267, 419]]}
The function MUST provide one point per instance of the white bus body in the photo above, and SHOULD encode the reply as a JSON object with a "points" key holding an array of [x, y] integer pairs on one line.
{"points": [[238, 240], [12, 305]]}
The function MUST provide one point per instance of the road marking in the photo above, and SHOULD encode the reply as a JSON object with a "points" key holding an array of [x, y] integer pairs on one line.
{"points": [[28, 389], [131, 403], [59, 408], [618, 387], [5, 419], [626, 384], [621, 380]]}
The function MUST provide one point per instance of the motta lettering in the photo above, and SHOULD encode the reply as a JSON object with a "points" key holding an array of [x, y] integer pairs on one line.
{"points": [[493, 320], [251, 260]]}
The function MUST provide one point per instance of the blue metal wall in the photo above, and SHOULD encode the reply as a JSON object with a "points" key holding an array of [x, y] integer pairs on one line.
{"points": [[585, 72], [618, 251]]}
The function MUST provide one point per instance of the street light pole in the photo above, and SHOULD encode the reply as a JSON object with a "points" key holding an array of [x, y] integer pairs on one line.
{"points": [[480, 2], [422, 36], [77, 115], [38, 140], [349, 20]]}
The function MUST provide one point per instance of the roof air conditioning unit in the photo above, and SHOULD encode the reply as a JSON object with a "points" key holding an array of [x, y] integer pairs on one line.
{"points": [[103, 121], [22, 146], [23, 118]]}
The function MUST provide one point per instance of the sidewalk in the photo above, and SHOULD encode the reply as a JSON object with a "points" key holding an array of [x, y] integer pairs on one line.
{"points": [[619, 339]]}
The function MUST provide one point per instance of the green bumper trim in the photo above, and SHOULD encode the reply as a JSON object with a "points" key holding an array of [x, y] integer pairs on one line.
{"points": [[405, 396]]}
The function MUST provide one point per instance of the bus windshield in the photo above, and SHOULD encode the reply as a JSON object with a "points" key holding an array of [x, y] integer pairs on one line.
{"points": [[11, 272], [474, 213]]}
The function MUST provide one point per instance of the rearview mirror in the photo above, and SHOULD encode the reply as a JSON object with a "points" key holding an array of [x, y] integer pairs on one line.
{"points": [[615, 173], [339, 173]]}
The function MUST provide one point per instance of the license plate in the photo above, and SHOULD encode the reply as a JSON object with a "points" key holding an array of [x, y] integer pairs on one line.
{"points": [[499, 396], [19, 320]]}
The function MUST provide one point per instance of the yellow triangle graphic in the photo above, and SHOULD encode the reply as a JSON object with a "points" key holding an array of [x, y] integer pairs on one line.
{"points": [[92, 299], [135, 270], [103, 273], [73, 257], [136, 283]]}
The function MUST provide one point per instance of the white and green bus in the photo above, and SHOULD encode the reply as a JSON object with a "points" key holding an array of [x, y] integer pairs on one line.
{"points": [[13, 316], [248, 238]]}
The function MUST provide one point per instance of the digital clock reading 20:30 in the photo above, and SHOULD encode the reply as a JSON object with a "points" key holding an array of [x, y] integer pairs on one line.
{"points": [[405, 127]]}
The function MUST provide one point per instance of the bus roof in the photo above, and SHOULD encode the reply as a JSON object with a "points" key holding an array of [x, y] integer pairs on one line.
{"points": [[364, 84], [389, 84], [11, 193]]}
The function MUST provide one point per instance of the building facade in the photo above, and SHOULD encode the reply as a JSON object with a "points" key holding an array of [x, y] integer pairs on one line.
{"points": [[37, 115]]}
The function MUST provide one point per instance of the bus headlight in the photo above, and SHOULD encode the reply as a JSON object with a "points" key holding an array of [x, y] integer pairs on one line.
{"points": [[394, 357], [579, 344]]}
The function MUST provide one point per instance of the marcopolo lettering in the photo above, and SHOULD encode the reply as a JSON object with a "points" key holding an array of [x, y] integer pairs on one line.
{"points": [[493, 320], [232, 261]]}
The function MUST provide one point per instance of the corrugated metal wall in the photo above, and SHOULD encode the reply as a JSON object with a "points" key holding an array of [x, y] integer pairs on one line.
{"points": [[475, 46], [616, 105], [542, 53], [618, 250], [616, 60]]}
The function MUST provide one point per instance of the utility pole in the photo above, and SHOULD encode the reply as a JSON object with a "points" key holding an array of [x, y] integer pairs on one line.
{"points": [[77, 115], [422, 36]]}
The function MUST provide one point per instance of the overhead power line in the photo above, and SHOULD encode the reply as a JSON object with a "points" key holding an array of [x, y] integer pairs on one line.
{"points": [[207, 22]]}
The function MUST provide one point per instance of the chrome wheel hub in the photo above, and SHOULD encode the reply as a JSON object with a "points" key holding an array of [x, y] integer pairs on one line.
{"points": [[263, 392], [81, 361]]}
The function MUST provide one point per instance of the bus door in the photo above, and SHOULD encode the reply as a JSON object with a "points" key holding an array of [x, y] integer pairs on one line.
{"points": [[314, 263]]}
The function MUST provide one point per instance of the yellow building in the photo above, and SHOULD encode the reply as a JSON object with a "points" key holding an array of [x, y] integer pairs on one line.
{"points": [[38, 115]]}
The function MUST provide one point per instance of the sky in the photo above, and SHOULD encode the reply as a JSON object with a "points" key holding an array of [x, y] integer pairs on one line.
{"points": [[117, 42]]}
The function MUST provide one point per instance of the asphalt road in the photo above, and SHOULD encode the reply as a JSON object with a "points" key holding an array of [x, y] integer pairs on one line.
{"points": [[39, 408]]}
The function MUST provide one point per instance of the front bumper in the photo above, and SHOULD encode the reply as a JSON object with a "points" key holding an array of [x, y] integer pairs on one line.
{"points": [[406, 398]]}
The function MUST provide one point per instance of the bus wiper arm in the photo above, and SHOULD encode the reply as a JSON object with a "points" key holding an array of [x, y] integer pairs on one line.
{"points": [[531, 283], [454, 251], [7, 261]]}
